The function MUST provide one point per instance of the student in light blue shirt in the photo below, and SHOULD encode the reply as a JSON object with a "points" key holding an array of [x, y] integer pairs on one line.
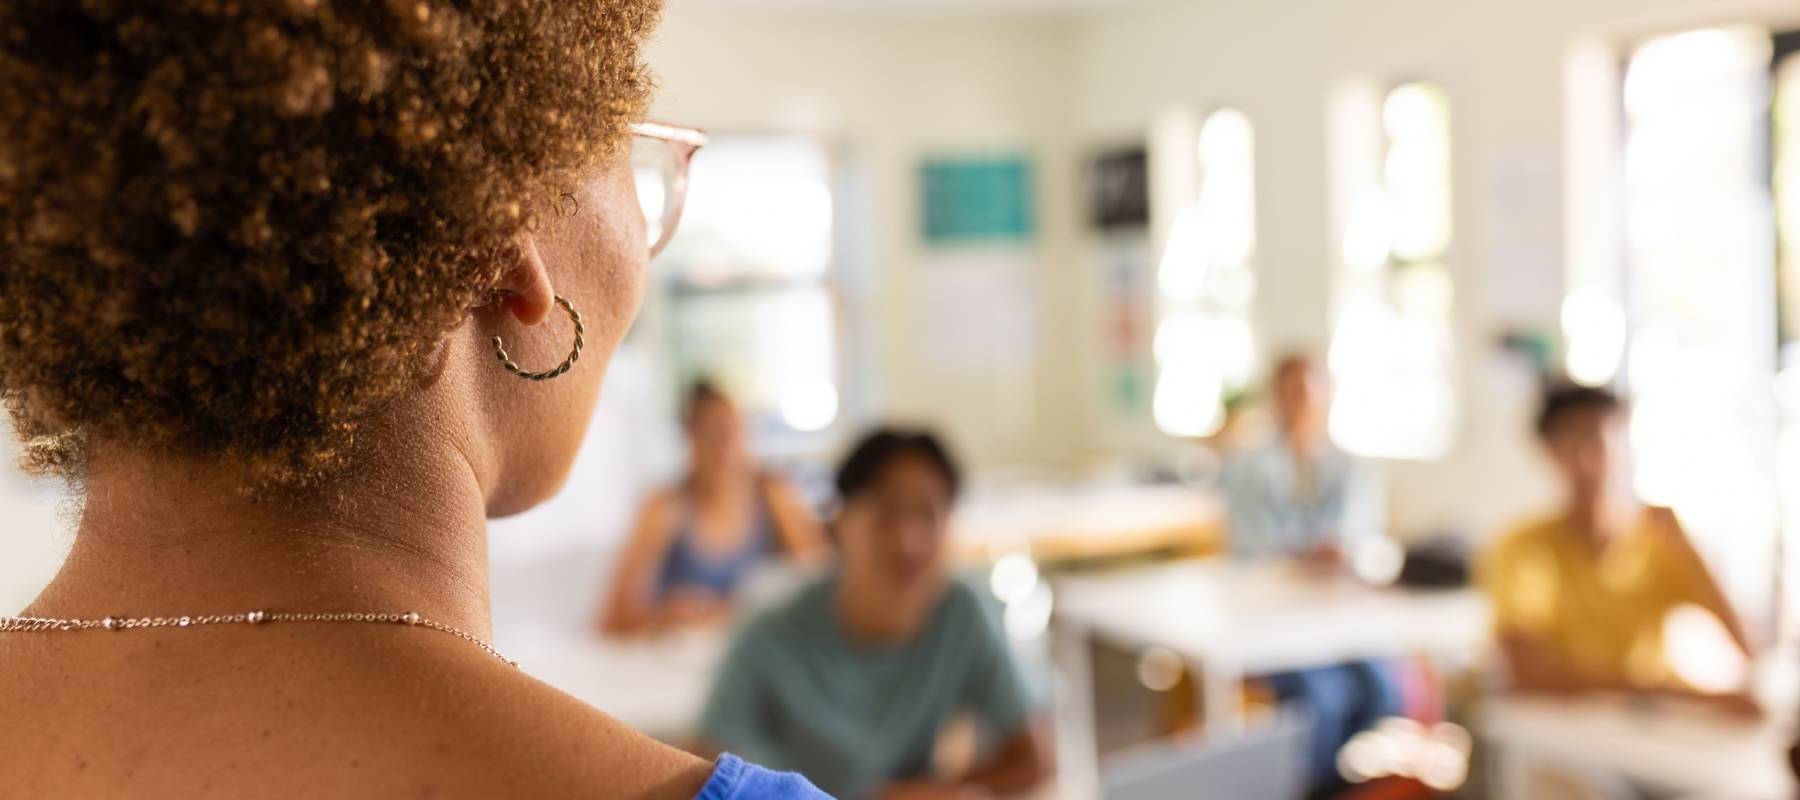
{"points": [[1298, 497], [852, 680]]}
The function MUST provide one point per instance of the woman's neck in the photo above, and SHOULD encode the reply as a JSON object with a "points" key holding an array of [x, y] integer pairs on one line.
{"points": [[1304, 438], [162, 536]]}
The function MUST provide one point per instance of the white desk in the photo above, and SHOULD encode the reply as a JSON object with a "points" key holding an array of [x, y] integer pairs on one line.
{"points": [[1229, 620], [1233, 619], [1677, 749]]}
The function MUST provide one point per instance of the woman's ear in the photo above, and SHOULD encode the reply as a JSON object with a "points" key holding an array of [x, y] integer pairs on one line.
{"points": [[525, 285]]}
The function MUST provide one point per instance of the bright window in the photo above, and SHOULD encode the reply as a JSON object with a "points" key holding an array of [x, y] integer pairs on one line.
{"points": [[1689, 304], [1391, 352], [748, 280], [1786, 151], [1697, 233], [1203, 347]]}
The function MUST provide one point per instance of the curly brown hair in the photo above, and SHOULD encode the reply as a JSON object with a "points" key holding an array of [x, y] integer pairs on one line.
{"points": [[232, 227]]}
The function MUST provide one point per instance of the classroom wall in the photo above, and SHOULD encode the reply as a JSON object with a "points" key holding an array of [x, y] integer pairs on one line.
{"points": [[892, 86], [1502, 64], [887, 89]]}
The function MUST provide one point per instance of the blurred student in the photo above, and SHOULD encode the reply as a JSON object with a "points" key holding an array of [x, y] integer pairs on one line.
{"points": [[851, 682], [1298, 497], [695, 542], [1581, 596]]}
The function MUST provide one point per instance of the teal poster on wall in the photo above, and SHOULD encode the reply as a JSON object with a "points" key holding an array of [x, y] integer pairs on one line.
{"points": [[976, 199]]}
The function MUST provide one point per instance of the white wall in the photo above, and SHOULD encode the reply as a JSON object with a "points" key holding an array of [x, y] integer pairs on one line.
{"points": [[887, 89], [1502, 63], [33, 538], [891, 86]]}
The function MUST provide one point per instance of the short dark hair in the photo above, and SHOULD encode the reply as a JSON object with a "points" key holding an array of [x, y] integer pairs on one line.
{"points": [[881, 448], [240, 230], [1560, 402]]}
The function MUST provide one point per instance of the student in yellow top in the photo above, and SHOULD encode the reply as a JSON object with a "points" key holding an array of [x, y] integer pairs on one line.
{"points": [[1581, 598]]}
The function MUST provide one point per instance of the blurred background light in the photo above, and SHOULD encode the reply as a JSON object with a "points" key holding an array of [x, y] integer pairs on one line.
{"points": [[1594, 335], [1204, 345], [1013, 578], [810, 404], [1159, 669], [1391, 351], [1701, 652]]}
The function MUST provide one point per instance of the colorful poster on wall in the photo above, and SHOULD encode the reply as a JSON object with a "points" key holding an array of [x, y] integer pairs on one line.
{"points": [[976, 310], [1125, 326], [976, 200]]}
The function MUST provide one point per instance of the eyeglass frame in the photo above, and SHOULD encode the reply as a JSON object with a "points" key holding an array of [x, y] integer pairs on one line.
{"points": [[682, 142]]}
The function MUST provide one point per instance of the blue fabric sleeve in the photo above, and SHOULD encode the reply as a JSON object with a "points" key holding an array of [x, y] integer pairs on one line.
{"points": [[734, 779]]}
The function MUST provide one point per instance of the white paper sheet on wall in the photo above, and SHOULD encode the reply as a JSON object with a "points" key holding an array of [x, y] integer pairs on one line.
{"points": [[976, 311], [1520, 269]]}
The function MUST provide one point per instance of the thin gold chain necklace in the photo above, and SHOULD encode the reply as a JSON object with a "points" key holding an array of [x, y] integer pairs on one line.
{"points": [[411, 618]]}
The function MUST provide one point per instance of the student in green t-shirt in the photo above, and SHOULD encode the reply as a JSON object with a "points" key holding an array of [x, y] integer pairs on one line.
{"points": [[851, 681]]}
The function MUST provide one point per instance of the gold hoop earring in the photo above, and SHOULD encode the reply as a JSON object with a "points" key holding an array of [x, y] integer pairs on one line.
{"points": [[507, 362]]}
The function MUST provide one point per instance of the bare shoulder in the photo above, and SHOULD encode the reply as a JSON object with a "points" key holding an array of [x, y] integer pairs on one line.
{"points": [[501, 733], [659, 508], [552, 744], [664, 500], [340, 714], [783, 489]]}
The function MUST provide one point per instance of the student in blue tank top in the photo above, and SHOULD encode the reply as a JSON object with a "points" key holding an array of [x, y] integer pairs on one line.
{"points": [[852, 680], [697, 541]]}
